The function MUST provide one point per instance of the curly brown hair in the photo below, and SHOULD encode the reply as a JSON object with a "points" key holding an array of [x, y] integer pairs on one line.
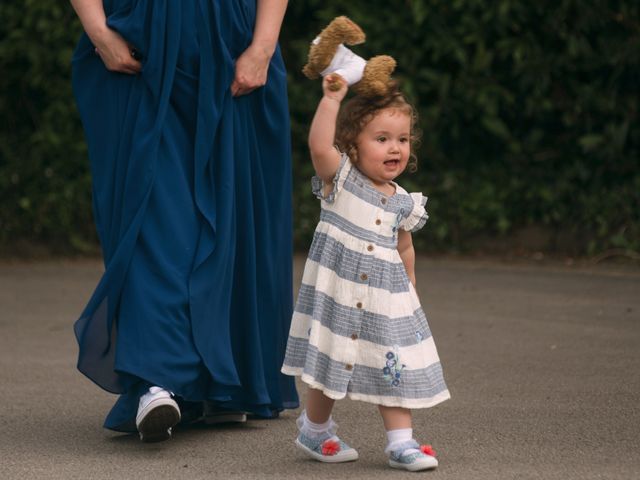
{"points": [[357, 112]]}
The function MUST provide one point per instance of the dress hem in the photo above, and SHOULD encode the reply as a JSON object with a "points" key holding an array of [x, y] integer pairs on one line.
{"points": [[374, 399]]}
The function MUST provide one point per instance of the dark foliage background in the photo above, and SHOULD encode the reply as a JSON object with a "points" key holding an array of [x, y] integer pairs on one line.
{"points": [[529, 112]]}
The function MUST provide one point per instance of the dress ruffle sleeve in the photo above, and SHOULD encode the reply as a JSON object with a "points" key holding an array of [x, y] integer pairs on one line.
{"points": [[418, 215], [317, 185]]}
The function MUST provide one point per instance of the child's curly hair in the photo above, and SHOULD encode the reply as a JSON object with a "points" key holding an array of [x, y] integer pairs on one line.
{"points": [[356, 113]]}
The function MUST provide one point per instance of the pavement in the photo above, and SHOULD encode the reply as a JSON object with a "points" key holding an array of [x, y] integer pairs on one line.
{"points": [[542, 361]]}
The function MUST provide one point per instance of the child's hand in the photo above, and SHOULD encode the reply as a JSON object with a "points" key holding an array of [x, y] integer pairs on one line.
{"points": [[334, 86]]}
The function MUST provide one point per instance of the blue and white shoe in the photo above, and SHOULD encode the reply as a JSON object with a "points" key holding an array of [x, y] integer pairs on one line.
{"points": [[413, 457], [329, 449]]}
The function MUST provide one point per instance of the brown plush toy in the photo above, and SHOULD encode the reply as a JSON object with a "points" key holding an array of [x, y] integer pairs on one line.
{"points": [[328, 54]]}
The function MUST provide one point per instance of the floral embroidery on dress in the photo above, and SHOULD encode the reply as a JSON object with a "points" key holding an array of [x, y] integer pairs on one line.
{"points": [[393, 369]]}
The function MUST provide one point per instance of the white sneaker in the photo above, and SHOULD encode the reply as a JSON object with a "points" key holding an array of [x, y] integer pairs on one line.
{"points": [[157, 414]]}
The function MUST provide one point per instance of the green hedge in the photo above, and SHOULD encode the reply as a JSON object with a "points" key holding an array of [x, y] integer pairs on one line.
{"points": [[529, 112], [45, 187]]}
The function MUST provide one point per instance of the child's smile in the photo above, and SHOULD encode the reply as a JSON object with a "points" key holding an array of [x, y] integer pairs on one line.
{"points": [[392, 163]]}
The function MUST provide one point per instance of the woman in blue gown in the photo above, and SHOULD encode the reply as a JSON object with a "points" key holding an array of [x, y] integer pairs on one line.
{"points": [[184, 107]]}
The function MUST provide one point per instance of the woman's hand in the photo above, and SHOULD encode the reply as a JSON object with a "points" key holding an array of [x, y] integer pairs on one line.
{"points": [[334, 87], [116, 53], [251, 71]]}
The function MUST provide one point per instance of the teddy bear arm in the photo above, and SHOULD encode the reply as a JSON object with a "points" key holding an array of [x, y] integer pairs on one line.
{"points": [[376, 78]]}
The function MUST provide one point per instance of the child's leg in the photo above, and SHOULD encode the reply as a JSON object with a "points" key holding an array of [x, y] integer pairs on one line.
{"points": [[315, 421], [395, 418], [317, 436], [397, 423], [404, 452], [318, 406]]}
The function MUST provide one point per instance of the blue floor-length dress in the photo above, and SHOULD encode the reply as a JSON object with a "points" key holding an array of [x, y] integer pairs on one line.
{"points": [[192, 201]]}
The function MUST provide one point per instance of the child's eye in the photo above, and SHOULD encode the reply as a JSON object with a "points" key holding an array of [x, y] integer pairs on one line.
{"points": [[404, 140], [381, 139]]}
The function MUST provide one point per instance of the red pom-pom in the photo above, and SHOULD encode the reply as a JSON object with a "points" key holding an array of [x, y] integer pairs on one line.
{"points": [[330, 447], [428, 450]]}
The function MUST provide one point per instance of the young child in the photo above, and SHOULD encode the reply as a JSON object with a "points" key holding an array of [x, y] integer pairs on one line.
{"points": [[358, 328]]}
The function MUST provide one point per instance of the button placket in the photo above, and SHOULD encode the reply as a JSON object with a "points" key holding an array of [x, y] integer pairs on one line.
{"points": [[352, 348], [362, 298], [382, 211], [360, 302]]}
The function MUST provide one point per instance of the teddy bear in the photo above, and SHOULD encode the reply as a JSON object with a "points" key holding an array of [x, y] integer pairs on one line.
{"points": [[327, 55]]}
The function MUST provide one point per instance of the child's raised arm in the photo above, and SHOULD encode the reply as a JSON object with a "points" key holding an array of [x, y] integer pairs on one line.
{"points": [[324, 156]]}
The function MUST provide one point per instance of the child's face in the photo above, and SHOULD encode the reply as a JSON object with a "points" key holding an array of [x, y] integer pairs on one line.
{"points": [[384, 145]]}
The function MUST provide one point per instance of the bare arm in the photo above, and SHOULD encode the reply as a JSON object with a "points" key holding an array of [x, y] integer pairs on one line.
{"points": [[324, 156], [92, 17], [268, 22], [407, 254], [252, 66], [112, 48]]}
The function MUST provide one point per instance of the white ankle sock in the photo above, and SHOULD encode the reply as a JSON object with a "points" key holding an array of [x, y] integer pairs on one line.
{"points": [[314, 430], [398, 437], [316, 427]]}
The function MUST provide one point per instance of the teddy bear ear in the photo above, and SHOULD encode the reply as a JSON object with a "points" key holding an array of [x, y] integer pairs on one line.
{"points": [[376, 78], [324, 47]]}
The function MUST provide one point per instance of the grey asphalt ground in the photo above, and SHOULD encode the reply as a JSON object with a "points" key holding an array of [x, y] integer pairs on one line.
{"points": [[543, 364]]}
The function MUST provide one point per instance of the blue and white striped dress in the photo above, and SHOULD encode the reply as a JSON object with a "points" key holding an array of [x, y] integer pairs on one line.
{"points": [[358, 328]]}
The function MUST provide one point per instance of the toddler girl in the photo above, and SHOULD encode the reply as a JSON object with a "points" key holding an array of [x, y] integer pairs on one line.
{"points": [[358, 328]]}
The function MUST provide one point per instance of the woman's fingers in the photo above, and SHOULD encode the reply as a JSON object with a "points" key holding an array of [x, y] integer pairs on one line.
{"points": [[235, 89], [251, 71], [117, 55], [130, 66], [243, 87], [247, 81]]}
